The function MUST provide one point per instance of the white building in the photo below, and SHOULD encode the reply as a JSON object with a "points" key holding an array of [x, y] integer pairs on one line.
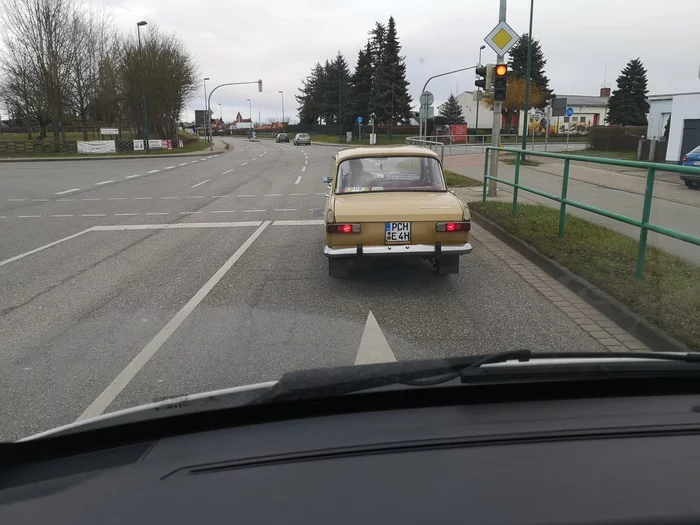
{"points": [[588, 111], [683, 109]]}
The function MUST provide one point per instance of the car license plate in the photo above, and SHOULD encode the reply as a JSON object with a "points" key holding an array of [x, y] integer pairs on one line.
{"points": [[398, 232], [696, 163]]}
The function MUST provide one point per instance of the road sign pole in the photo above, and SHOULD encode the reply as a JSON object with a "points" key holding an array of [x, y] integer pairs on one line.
{"points": [[528, 80], [496, 130]]}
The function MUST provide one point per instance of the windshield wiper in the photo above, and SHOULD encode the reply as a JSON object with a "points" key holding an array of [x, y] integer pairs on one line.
{"points": [[310, 384]]}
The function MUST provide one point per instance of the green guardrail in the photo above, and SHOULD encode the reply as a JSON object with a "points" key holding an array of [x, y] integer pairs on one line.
{"points": [[644, 225]]}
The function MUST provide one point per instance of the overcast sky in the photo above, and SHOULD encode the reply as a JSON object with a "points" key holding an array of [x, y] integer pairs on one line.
{"points": [[280, 41]]}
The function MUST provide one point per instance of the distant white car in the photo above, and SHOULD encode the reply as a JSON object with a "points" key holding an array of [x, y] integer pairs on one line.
{"points": [[302, 138]]}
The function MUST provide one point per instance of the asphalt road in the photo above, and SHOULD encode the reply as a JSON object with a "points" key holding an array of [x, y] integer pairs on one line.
{"points": [[129, 281]]}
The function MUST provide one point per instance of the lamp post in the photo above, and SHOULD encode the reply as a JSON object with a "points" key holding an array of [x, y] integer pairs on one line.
{"points": [[282, 93], [478, 99], [206, 113], [250, 111], [221, 114], [528, 79], [143, 89], [426, 85], [260, 90]]}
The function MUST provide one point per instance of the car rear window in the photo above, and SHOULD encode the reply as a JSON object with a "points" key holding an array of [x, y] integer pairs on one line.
{"points": [[696, 150], [373, 174]]}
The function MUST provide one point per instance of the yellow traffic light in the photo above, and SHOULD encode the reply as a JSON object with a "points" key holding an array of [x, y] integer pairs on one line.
{"points": [[501, 70]]}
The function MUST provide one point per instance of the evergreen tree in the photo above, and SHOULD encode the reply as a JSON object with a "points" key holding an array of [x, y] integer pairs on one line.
{"points": [[376, 45], [394, 101], [309, 100], [361, 85], [335, 92], [628, 104], [452, 111], [517, 64]]}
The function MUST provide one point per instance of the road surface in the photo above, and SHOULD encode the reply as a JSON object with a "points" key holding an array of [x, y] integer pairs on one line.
{"points": [[134, 280]]}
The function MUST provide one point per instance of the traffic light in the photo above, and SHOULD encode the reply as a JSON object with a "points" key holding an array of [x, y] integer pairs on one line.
{"points": [[500, 82], [487, 73]]}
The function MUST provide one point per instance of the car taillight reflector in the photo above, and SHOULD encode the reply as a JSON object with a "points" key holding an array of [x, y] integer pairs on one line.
{"points": [[685, 158], [343, 228], [463, 226]]}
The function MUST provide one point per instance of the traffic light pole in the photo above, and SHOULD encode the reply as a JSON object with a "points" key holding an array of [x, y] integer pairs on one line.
{"points": [[496, 130]]}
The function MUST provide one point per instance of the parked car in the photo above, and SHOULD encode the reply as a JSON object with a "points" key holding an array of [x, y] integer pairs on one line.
{"points": [[282, 137], [302, 138], [692, 159], [389, 202]]}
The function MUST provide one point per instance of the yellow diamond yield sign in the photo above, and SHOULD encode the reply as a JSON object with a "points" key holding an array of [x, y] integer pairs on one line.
{"points": [[502, 38]]}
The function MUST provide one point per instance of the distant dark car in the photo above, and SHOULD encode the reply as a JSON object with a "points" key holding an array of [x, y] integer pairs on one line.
{"points": [[692, 159], [302, 138], [282, 137]]}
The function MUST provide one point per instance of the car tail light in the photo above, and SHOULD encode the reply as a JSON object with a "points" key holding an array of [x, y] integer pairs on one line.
{"points": [[463, 226], [343, 228], [685, 158]]}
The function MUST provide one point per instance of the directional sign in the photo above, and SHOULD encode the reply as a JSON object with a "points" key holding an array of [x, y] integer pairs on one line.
{"points": [[359, 120], [426, 99], [569, 111], [502, 38]]}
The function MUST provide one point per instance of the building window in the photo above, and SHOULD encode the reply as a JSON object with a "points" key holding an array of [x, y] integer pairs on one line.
{"points": [[566, 119], [583, 119], [574, 119]]}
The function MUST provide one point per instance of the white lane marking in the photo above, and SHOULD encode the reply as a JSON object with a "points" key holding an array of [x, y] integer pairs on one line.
{"points": [[175, 226], [272, 195], [67, 191], [40, 200], [168, 167], [194, 161], [99, 405], [125, 214], [297, 194], [93, 199], [298, 179], [142, 198], [189, 212], [28, 216], [182, 164], [65, 200], [252, 211], [170, 197], [204, 158], [196, 197], [373, 346], [94, 215], [306, 161], [61, 215], [303, 169], [285, 209], [320, 194], [3, 216], [246, 195], [132, 176], [158, 213], [116, 198], [14, 200], [223, 211], [153, 171], [219, 196], [44, 247], [244, 164], [200, 183], [310, 222], [215, 155], [227, 171], [103, 182]]}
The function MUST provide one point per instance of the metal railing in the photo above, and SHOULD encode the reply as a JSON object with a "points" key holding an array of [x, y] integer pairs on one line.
{"points": [[644, 225], [465, 144], [430, 144]]}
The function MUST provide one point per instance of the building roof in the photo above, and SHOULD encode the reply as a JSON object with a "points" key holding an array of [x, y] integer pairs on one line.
{"points": [[584, 100], [385, 151], [671, 95]]}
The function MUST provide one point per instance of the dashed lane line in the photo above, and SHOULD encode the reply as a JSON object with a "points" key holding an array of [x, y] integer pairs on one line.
{"points": [[195, 197], [132, 176], [297, 194], [93, 199], [272, 195], [158, 213], [152, 171], [142, 198], [14, 200], [125, 214], [227, 171], [104, 182], [28, 216], [61, 215], [182, 164], [94, 215], [244, 164], [303, 169], [246, 195], [65, 200], [285, 209], [200, 183], [116, 198], [40, 200], [253, 211], [298, 179], [168, 167], [67, 191], [189, 212], [170, 197]]}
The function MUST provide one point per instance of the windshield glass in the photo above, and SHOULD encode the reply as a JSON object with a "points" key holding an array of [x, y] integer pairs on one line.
{"points": [[389, 174], [186, 209]]}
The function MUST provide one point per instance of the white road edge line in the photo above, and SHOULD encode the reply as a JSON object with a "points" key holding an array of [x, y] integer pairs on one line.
{"points": [[103, 182], [298, 179], [103, 401], [44, 247], [200, 183], [67, 191]]}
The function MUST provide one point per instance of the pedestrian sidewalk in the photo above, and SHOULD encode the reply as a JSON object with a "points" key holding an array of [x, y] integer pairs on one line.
{"points": [[219, 146]]}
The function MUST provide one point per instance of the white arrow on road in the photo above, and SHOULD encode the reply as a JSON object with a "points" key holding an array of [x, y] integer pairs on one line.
{"points": [[373, 347]]}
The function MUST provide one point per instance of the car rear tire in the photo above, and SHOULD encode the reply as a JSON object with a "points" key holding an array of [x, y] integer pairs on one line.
{"points": [[693, 185], [338, 267], [448, 264]]}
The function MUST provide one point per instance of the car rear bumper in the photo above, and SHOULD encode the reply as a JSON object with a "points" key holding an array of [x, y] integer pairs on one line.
{"points": [[398, 250]]}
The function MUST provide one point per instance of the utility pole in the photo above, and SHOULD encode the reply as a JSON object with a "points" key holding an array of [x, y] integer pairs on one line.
{"points": [[528, 79], [497, 108], [143, 90], [478, 99]]}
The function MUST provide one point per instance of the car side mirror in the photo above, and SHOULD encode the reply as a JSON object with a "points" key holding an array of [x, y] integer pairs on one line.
{"points": [[327, 180]]}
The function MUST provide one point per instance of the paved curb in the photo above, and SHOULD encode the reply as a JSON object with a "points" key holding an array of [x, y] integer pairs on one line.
{"points": [[123, 157], [647, 333]]}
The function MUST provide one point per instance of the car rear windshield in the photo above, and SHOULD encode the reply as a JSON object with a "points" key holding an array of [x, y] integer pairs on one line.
{"points": [[696, 150], [302, 135], [370, 174]]}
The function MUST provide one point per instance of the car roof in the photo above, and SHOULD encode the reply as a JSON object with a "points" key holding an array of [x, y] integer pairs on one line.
{"points": [[390, 151]]}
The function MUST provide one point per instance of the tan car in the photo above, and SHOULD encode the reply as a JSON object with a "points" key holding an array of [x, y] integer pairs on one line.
{"points": [[389, 202]]}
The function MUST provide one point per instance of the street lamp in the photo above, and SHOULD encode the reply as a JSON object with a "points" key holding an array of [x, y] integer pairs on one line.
{"points": [[528, 79], [250, 111], [282, 93], [143, 89], [423, 91], [221, 114], [260, 90], [478, 98], [206, 112]]}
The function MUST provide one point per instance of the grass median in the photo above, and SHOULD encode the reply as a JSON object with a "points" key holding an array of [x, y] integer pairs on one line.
{"points": [[455, 180], [669, 294]]}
